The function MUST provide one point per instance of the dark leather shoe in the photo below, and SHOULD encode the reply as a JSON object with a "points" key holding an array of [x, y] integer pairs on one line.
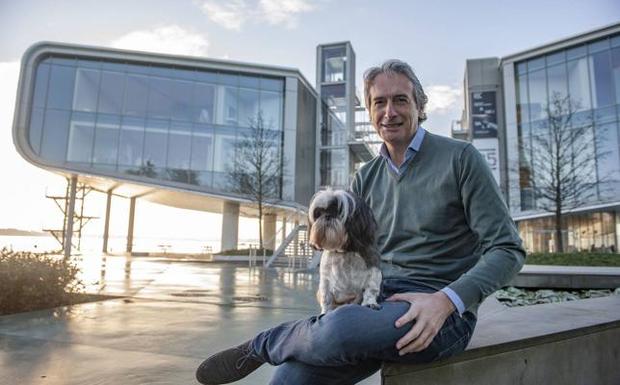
{"points": [[229, 365]]}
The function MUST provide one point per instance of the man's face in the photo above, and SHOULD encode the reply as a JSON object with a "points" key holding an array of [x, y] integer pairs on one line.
{"points": [[393, 112]]}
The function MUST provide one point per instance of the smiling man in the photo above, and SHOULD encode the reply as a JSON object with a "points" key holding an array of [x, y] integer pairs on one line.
{"points": [[446, 242]]}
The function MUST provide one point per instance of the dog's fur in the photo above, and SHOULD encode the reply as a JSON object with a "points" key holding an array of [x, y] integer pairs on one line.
{"points": [[343, 226]]}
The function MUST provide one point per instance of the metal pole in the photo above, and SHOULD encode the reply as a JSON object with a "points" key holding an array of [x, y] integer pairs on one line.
{"points": [[132, 211], [106, 228], [70, 212]]}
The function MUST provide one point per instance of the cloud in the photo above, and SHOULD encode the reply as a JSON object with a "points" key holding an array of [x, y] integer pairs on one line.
{"points": [[235, 13], [170, 39], [443, 99]]}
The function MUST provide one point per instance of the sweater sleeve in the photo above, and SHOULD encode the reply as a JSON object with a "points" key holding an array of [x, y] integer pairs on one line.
{"points": [[502, 254]]}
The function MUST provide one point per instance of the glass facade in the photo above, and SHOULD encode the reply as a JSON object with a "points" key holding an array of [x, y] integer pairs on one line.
{"points": [[165, 123], [586, 80]]}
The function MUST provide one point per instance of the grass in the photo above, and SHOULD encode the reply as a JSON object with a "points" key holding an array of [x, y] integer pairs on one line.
{"points": [[574, 259]]}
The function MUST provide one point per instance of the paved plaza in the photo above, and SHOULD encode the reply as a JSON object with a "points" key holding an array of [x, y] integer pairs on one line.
{"points": [[172, 315]]}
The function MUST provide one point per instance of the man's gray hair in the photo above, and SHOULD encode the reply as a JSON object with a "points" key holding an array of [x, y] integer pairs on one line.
{"points": [[395, 66]]}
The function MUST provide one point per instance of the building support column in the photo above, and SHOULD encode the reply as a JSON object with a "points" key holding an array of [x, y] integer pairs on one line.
{"points": [[69, 218], [132, 212], [283, 228], [230, 226], [269, 231], [106, 226]]}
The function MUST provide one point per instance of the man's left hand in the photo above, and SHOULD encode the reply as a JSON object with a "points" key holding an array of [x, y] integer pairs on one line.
{"points": [[429, 311]]}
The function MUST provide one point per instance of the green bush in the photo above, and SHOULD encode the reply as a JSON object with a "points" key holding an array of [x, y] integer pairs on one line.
{"points": [[573, 259], [30, 281]]}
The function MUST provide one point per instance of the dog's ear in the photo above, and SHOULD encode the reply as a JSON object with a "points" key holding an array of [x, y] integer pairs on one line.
{"points": [[362, 228]]}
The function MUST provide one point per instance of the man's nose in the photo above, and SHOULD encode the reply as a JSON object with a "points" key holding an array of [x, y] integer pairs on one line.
{"points": [[390, 111]]}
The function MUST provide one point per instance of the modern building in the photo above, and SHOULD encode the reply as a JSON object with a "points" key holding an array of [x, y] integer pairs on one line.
{"points": [[168, 129], [563, 95]]}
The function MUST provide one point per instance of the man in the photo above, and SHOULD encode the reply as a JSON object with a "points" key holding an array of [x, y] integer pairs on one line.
{"points": [[446, 242]]}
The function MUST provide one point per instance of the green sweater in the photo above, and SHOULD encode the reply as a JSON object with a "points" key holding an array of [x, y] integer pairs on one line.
{"points": [[443, 221]]}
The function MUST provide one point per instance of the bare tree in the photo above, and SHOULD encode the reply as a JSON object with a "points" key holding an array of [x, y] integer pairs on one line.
{"points": [[256, 171], [562, 170]]}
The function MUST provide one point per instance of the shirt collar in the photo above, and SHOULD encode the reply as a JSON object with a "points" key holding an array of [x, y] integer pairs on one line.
{"points": [[414, 145]]}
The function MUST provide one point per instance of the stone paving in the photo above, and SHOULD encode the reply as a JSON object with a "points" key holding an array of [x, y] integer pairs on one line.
{"points": [[174, 315]]}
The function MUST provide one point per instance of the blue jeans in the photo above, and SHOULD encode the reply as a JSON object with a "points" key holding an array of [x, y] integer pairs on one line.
{"points": [[348, 344]]}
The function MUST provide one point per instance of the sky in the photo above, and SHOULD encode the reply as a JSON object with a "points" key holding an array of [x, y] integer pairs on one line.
{"points": [[435, 37]]}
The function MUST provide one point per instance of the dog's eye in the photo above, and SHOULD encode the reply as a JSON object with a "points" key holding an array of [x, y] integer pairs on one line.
{"points": [[317, 212]]}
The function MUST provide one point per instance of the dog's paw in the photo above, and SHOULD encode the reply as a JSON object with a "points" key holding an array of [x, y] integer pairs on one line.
{"points": [[373, 306]]}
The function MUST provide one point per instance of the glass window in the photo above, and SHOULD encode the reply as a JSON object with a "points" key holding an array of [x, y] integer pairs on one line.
{"points": [[81, 135], [271, 104], [556, 76], [202, 148], [136, 94], [60, 94], [55, 134], [88, 64], [578, 86], [182, 100], [179, 145], [111, 94], [577, 52], [615, 70], [160, 98], [597, 46], [333, 168], [131, 142], [522, 99], [538, 94], [184, 74], [536, 64], [36, 127], [106, 139], [608, 159], [204, 102], [224, 151], [227, 112], [248, 107], [155, 142], [40, 86], [334, 94], [228, 79], [601, 80], [271, 84], [556, 58], [521, 68], [118, 67], [206, 77], [334, 64], [86, 90], [248, 81], [615, 41]]}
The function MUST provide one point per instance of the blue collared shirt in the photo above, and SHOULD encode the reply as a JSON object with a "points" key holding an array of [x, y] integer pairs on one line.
{"points": [[412, 150]]}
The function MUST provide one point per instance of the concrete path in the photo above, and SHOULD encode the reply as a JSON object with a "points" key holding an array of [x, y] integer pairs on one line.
{"points": [[176, 314]]}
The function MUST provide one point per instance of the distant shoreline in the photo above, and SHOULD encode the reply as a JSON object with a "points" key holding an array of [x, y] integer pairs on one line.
{"points": [[22, 233]]}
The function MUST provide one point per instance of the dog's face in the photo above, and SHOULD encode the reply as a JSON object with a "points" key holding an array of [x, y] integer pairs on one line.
{"points": [[340, 221]]}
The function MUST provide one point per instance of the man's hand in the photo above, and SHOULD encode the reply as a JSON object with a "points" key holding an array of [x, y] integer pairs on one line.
{"points": [[429, 312]]}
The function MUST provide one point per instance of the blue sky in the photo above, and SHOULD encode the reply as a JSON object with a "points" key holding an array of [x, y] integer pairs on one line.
{"points": [[434, 37]]}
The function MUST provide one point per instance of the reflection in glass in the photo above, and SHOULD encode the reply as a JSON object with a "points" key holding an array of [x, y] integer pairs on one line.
{"points": [[182, 100], [248, 106], [179, 145], [136, 93], [160, 98], [202, 148], [271, 109], [86, 90], [81, 135], [131, 142], [106, 139], [578, 86], [111, 93], [40, 85], [155, 142], [36, 127], [60, 93], [204, 102], [334, 64], [55, 135], [601, 79]]}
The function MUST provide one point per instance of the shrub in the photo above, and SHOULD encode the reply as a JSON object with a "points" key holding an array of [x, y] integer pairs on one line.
{"points": [[30, 281], [573, 259]]}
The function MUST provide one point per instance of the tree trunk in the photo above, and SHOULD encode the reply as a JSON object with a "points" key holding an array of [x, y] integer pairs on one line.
{"points": [[260, 225], [559, 243]]}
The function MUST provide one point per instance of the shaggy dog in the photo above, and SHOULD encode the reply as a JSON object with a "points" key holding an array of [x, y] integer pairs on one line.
{"points": [[343, 226]]}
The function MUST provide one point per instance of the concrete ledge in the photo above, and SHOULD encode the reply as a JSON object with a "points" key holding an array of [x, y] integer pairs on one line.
{"points": [[574, 342], [567, 277]]}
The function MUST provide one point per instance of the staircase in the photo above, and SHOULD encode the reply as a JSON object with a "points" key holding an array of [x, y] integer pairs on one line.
{"points": [[294, 253]]}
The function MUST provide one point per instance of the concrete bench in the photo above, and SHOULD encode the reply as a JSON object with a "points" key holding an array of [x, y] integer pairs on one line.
{"points": [[576, 342]]}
